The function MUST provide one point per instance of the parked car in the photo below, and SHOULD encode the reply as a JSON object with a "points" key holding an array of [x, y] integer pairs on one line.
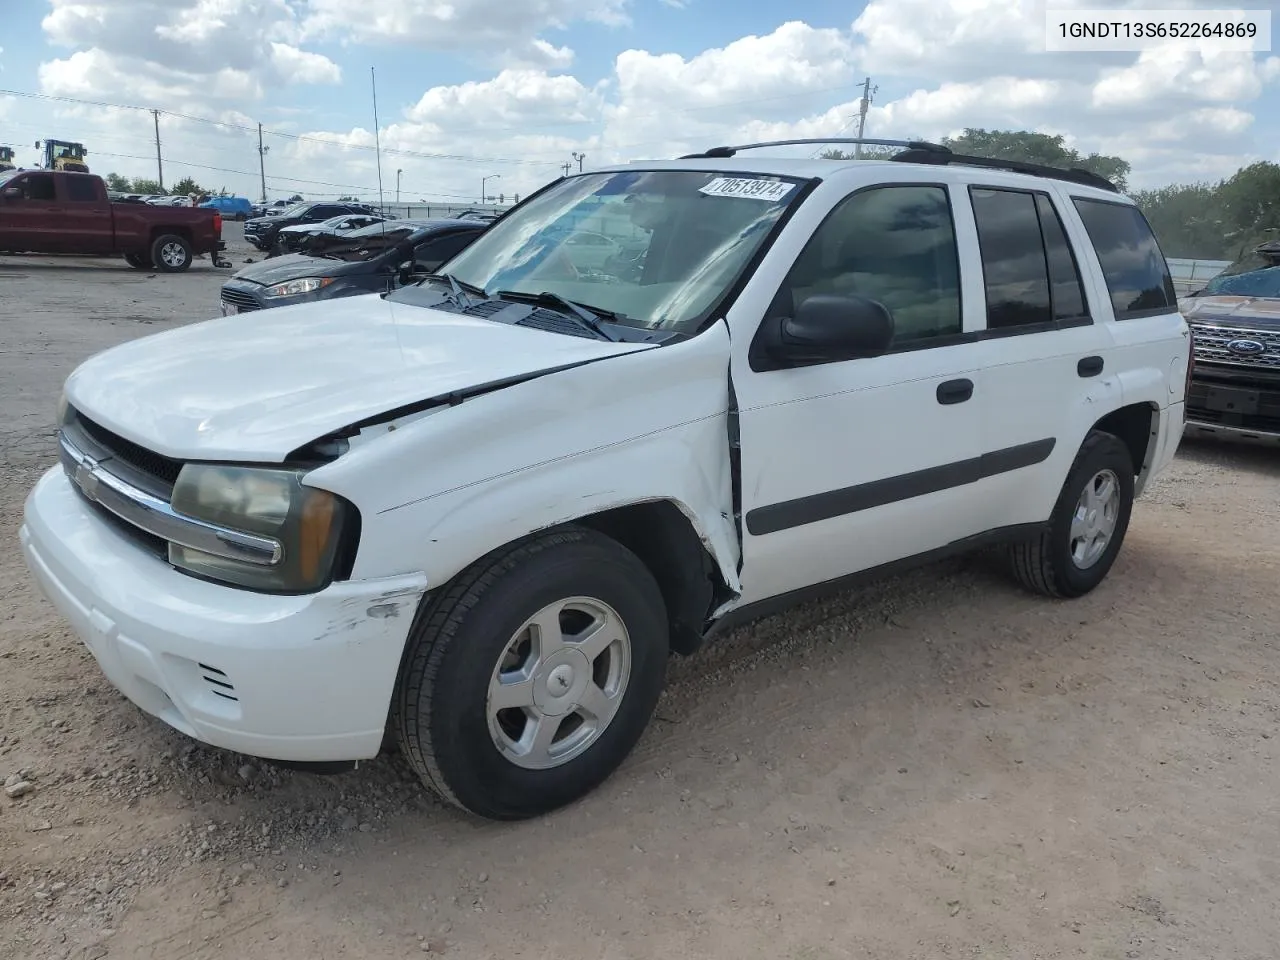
{"points": [[482, 510], [296, 239], [231, 208], [1235, 324], [375, 259], [46, 211], [261, 231]]}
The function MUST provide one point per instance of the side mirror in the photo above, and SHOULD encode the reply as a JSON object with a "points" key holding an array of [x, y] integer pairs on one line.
{"points": [[828, 327], [12, 193]]}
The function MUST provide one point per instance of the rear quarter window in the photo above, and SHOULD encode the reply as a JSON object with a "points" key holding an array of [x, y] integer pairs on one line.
{"points": [[1135, 270]]}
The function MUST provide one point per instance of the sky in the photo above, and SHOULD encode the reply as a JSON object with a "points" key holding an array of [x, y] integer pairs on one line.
{"points": [[510, 90]]}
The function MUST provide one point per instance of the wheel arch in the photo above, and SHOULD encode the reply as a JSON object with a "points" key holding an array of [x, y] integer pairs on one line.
{"points": [[1137, 425]]}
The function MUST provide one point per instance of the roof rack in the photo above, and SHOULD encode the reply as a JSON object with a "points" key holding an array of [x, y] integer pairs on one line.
{"points": [[1073, 175], [719, 153]]}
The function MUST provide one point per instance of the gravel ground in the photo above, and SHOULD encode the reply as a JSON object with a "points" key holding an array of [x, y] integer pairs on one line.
{"points": [[937, 766]]}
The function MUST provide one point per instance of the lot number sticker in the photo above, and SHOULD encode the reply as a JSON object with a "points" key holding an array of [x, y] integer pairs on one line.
{"points": [[769, 190]]}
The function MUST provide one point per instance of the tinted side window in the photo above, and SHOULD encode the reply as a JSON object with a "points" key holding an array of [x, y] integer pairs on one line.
{"points": [[1013, 258], [1066, 290], [81, 189], [436, 251], [893, 244], [36, 186], [1135, 270], [324, 213]]}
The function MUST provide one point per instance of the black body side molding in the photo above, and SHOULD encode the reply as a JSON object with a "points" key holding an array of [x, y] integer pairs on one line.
{"points": [[877, 493]]}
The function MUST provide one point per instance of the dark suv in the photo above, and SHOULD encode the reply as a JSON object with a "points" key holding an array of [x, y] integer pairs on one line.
{"points": [[261, 231], [1235, 323]]}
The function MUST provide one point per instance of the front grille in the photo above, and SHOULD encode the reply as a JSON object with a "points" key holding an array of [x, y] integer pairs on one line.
{"points": [[1211, 344], [140, 458], [240, 298]]}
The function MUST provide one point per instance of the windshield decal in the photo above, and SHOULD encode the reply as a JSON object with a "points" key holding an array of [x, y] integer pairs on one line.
{"points": [[768, 190]]}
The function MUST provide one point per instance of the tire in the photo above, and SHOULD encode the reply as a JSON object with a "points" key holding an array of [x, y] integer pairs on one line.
{"points": [[171, 253], [1058, 563], [467, 754], [138, 261]]}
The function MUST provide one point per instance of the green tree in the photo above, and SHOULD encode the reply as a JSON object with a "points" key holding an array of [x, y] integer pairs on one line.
{"points": [[868, 153], [1251, 205], [149, 187], [118, 183], [187, 186], [1039, 148], [1188, 220]]}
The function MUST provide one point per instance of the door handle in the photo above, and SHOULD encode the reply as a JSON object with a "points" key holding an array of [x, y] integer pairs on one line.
{"points": [[955, 391], [1089, 366]]}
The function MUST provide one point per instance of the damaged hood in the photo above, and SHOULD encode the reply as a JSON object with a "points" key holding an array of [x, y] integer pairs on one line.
{"points": [[256, 386]]}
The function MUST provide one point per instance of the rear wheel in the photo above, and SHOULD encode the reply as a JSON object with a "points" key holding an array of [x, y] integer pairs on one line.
{"points": [[138, 261], [530, 679], [1088, 524], [171, 253]]}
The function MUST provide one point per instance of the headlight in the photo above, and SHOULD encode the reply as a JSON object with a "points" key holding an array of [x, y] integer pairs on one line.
{"points": [[307, 523], [293, 288]]}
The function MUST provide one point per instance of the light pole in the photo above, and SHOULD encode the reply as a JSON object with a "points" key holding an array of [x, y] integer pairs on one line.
{"points": [[483, 181], [398, 172], [579, 157]]}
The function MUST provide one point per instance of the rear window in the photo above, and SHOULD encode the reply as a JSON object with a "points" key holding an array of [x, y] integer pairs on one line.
{"points": [[1137, 275], [81, 189]]}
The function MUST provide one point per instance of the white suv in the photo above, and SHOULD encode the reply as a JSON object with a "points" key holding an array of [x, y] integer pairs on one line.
{"points": [[479, 512]]}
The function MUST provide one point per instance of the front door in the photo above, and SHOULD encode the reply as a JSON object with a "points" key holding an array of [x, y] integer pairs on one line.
{"points": [[30, 219], [851, 464]]}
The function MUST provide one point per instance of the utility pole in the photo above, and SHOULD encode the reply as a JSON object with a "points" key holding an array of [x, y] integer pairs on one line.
{"points": [[565, 167], [398, 172], [155, 115], [864, 105], [579, 157], [262, 163]]}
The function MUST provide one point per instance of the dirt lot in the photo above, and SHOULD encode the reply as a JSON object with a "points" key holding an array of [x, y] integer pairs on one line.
{"points": [[937, 767]]}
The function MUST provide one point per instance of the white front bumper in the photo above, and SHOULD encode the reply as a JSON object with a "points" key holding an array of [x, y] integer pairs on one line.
{"points": [[304, 678]]}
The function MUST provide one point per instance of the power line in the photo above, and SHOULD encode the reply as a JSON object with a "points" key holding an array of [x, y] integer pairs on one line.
{"points": [[302, 138], [247, 173]]}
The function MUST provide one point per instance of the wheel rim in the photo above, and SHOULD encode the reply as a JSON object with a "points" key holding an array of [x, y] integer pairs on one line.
{"points": [[173, 255], [1093, 524], [558, 683]]}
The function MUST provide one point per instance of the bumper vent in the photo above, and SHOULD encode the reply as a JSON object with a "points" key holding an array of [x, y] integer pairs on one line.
{"points": [[218, 683]]}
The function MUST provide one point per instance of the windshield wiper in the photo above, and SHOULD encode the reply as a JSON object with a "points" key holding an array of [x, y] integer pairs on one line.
{"points": [[456, 286], [589, 315]]}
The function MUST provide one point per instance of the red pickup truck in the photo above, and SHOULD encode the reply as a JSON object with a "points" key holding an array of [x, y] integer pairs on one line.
{"points": [[46, 211]]}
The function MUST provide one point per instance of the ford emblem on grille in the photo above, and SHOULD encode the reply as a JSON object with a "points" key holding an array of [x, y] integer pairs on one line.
{"points": [[1247, 348]]}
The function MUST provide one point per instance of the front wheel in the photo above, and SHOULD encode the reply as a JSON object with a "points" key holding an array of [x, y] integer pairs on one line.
{"points": [[171, 253], [533, 675], [1088, 523]]}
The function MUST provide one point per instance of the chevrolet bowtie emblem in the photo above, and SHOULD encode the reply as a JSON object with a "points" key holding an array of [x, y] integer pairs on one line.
{"points": [[87, 477]]}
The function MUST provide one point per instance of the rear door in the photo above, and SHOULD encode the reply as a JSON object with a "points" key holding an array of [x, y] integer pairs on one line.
{"points": [[86, 213], [30, 219], [1048, 357]]}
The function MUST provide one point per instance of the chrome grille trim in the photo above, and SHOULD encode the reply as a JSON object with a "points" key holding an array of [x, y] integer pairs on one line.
{"points": [[155, 516], [1211, 341]]}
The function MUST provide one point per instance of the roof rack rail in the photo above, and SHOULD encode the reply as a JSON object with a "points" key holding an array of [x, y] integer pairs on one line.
{"points": [[1085, 178], [718, 153]]}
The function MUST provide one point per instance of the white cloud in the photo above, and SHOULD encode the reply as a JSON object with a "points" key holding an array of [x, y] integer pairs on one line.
{"points": [[448, 24], [302, 66], [942, 65]]}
